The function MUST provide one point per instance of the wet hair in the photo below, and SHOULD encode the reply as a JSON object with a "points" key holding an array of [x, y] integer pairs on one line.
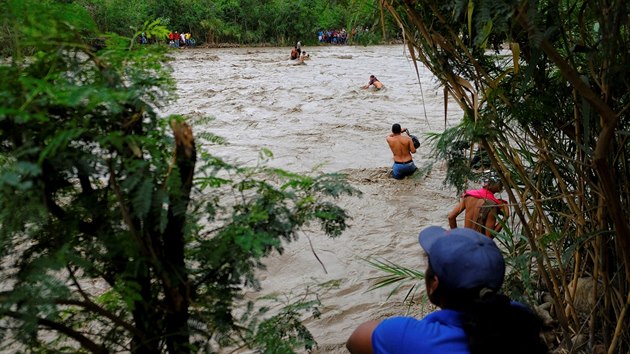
{"points": [[492, 322], [491, 177], [396, 129], [493, 185]]}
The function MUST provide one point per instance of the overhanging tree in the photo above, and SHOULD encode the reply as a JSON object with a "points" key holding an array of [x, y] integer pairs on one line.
{"points": [[117, 233]]}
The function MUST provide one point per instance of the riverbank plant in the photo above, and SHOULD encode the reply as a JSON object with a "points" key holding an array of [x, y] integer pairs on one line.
{"points": [[544, 90], [118, 232]]}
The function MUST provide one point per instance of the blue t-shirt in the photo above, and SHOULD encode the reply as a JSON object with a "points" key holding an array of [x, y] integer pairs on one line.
{"points": [[439, 332]]}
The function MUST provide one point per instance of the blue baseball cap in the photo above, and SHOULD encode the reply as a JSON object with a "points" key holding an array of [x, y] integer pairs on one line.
{"points": [[463, 258]]}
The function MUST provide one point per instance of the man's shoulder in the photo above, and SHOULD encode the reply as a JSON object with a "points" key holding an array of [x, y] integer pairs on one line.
{"points": [[393, 138], [440, 330], [397, 330], [398, 137], [395, 322], [448, 318]]}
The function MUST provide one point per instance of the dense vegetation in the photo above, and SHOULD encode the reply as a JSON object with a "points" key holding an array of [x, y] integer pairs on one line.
{"points": [[552, 114], [116, 233], [276, 22]]}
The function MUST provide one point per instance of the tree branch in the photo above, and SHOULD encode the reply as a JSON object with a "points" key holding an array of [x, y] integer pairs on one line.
{"points": [[85, 342]]}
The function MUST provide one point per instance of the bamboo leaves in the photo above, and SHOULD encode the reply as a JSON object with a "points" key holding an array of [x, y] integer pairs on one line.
{"points": [[469, 18], [549, 121]]}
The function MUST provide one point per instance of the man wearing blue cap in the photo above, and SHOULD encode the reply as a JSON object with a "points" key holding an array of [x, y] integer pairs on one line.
{"points": [[464, 275]]}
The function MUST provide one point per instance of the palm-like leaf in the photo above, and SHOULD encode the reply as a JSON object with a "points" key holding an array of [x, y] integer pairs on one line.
{"points": [[396, 276]]}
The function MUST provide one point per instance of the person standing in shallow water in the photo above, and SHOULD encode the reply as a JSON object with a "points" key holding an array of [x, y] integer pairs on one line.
{"points": [[464, 276], [402, 147], [484, 212]]}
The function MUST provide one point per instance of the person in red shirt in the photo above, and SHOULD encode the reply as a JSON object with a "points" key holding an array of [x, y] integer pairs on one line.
{"points": [[484, 212]]}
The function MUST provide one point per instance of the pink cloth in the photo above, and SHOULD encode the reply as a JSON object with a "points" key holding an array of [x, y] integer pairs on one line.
{"points": [[482, 193]]}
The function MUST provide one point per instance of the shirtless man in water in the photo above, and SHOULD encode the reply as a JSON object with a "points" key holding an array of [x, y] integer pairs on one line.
{"points": [[374, 81], [482, 209], [402, 148]]}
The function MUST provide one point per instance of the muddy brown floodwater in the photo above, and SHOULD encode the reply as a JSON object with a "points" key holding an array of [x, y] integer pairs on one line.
{"points": [[316, 116]]}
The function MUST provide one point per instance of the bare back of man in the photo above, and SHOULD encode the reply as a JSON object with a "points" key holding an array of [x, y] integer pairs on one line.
{"points": [[374, 81], [481, 215], [401, 146]]}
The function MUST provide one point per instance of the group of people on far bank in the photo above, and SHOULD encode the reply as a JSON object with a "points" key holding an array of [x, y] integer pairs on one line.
{"points": [[335, 36], [180, 40]]}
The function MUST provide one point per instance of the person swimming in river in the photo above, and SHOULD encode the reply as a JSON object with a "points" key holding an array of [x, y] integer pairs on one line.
{"points": [[374, 81]]}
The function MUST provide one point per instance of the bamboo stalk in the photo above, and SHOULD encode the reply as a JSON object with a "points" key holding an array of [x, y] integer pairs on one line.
{"points": [[619, 327]]}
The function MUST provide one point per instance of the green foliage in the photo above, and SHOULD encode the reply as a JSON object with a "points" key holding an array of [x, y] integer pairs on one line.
{"points": [[279, 22], [117, 235], [397, 276], [367, 38], [119, 16], [283, 332], [551, 112], [458, 146], [521, 273]]}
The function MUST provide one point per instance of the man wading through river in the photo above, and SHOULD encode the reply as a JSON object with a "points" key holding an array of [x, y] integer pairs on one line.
{"points": [[482, 208], [402, 147]]}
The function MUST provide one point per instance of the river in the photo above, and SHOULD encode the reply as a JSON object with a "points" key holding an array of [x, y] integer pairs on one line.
{"points": [[316, 116]]}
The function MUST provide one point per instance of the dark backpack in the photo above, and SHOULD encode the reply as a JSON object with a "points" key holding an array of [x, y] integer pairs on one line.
{"points": [[416, 142], [414, 139]]}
